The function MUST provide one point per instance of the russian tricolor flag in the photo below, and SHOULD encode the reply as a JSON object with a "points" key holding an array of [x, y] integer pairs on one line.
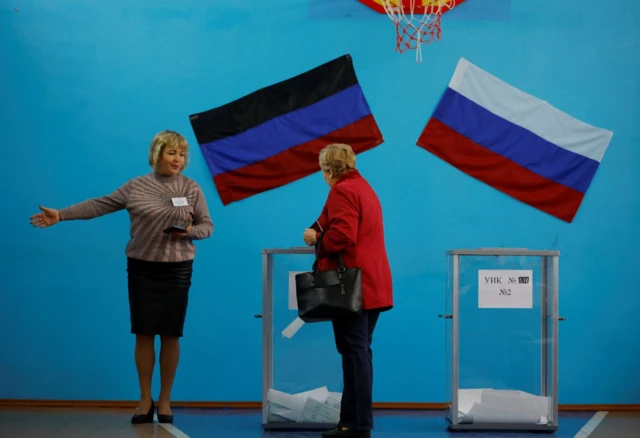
{"points": [[272, 136], [515, 142]]}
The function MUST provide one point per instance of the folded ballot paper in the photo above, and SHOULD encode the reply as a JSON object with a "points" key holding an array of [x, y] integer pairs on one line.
{"points": [[316, 406], [502, 406]]}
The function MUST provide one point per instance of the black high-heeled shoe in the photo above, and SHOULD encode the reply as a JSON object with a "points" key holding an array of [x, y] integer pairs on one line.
{"points": [[162, 418], [144, 418]]}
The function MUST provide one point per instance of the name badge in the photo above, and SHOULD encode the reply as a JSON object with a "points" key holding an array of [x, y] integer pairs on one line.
{"points": [[179, 202]]}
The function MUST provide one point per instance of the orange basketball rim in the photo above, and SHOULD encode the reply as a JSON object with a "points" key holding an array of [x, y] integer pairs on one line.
{"points": [[419, 8]]}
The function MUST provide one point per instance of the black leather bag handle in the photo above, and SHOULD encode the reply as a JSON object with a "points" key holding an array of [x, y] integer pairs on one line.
{"points": [[341, 268]]}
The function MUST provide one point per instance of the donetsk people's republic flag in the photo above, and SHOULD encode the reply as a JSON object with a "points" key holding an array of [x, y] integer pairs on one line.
{"points": [[272, 136]]}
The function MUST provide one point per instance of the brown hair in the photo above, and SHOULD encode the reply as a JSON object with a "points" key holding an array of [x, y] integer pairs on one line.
{"points": [[337, 159]]}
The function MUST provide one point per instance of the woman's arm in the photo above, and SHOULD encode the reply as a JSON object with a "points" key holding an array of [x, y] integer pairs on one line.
{"points": [[321, 222], [96, 207], [202, 224], [343, 217]]}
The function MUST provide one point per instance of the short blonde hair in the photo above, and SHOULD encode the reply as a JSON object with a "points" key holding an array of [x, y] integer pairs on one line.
{"points": [[337, 159], [165, 139]]}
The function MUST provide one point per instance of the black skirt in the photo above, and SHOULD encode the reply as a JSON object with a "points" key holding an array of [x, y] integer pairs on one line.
{"points": [[158, 296]]}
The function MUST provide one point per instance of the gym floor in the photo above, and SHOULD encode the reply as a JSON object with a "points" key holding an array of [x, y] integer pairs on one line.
{"points": [[203, 423]]}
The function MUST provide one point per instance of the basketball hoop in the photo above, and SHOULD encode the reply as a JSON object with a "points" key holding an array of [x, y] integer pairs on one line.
{"points": [[417, 22]]}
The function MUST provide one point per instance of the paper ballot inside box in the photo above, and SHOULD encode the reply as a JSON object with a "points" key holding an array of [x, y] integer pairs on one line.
{"points": [[280, 414], [496, 406], [320, 412], [315, 406]]}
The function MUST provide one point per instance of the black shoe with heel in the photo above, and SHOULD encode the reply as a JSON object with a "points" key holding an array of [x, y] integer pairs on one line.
{"points": [[144, 418], [162, 418]]}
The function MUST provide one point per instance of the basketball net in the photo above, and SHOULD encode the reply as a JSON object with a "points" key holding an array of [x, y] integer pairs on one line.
{"points": [[417, 22]]}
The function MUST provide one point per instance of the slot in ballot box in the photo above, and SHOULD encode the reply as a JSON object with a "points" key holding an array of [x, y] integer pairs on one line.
{"points": [[502, 339], [301, 369]]}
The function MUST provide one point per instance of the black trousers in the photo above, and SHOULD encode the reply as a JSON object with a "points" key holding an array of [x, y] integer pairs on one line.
{"points": [[353, 341]]}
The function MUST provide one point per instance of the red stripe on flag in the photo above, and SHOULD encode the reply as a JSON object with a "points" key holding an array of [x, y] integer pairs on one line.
{"points": [[499, 172], [294, 163]]}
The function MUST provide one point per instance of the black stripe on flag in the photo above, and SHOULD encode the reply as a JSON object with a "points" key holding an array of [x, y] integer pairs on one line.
{"points": [[275, 100]]}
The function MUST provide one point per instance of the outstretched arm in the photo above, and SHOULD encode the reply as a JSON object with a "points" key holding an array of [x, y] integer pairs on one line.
{"points": [[96, 207]]}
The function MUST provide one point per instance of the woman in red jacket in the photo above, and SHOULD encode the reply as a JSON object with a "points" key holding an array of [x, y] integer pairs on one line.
{"points": [[351, 223]]}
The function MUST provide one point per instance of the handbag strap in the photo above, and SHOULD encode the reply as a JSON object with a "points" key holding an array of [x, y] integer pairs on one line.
{"points": [[317, 251]]}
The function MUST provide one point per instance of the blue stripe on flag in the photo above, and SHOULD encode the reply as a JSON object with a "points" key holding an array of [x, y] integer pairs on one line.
{"points": [[286, 131], [514, 142]]}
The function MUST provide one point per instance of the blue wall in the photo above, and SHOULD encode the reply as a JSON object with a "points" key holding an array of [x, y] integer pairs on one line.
{"points": [[85, 85]]}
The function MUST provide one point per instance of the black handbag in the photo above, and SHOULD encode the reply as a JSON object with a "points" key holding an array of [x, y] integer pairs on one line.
{"points": [[328, 295]]}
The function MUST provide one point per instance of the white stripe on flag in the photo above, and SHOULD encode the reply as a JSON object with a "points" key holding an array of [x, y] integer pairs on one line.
{"points": [[529, 112]]}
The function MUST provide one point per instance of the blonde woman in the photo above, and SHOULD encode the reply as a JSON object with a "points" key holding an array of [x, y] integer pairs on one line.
{"points": [[159, 263], [351, 225]]}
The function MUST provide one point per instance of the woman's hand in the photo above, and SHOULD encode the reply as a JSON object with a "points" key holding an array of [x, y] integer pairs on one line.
{"points": [[309, 236], [48, 217], [184, 233]]}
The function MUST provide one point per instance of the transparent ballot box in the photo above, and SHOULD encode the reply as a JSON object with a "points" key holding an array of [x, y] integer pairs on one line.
{"points": [[502, 339], [301, 369]]}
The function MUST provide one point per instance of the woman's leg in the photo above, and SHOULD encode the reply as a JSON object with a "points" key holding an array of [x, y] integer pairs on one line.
{"points": [[169, 356], [145, 360], [171, 322], [372, 321], [346, 404], [352, 341]]}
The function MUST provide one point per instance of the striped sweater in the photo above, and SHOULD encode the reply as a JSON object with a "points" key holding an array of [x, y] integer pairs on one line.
{"points": [[148, 199]]}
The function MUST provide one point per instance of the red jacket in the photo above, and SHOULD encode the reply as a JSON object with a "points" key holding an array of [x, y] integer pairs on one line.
{"points": [[352, 224]]}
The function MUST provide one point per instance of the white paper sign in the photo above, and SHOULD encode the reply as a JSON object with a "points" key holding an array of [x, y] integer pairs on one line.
{"points": [[505, 289], [293, 298], [179, 202]]}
